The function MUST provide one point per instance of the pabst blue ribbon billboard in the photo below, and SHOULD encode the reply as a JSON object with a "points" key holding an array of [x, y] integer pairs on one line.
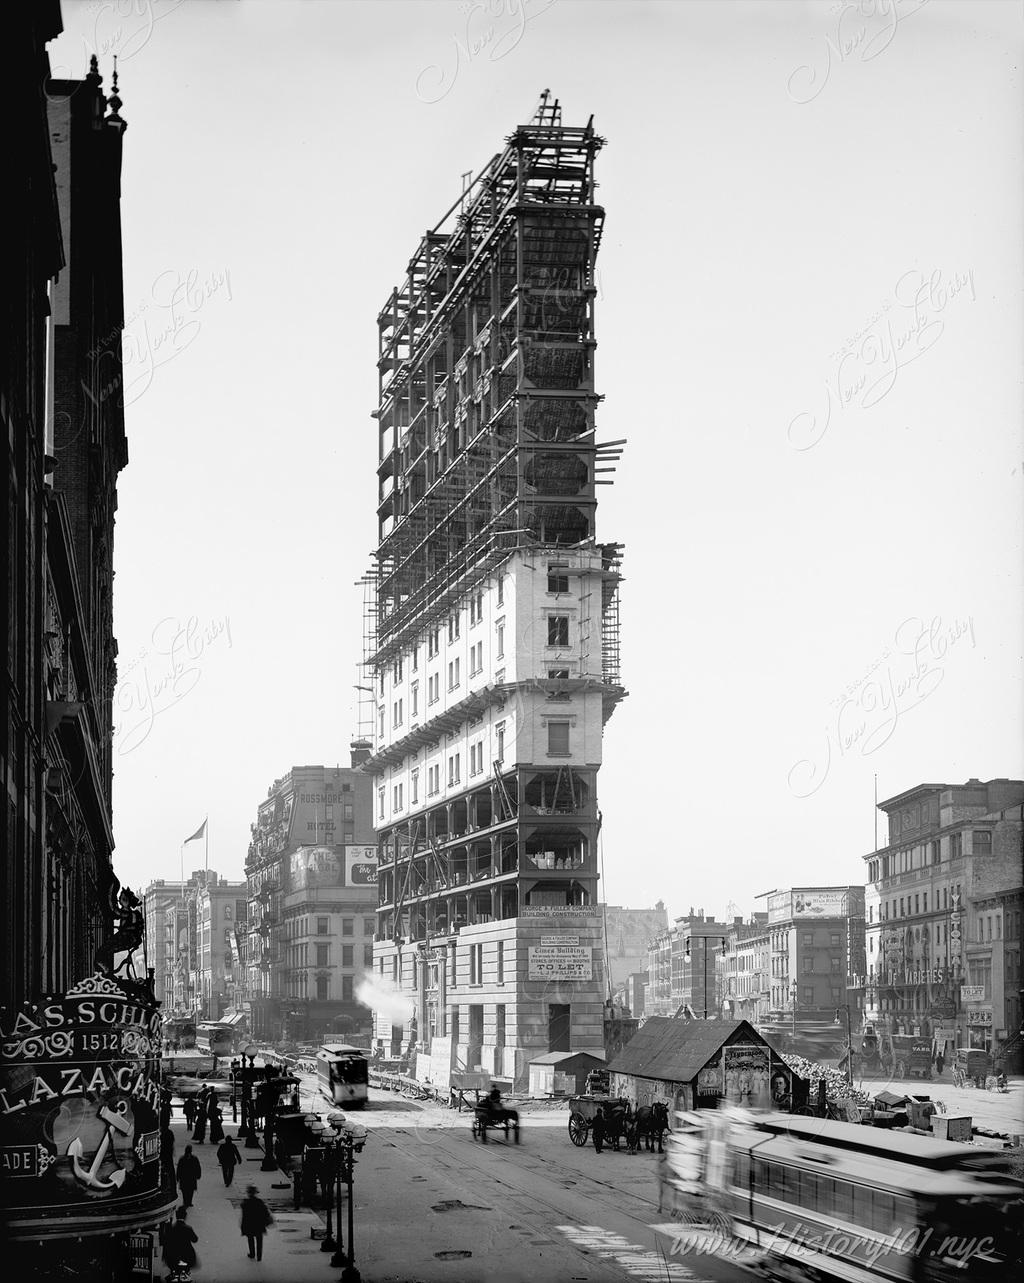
{"points": [[80, 1097]]}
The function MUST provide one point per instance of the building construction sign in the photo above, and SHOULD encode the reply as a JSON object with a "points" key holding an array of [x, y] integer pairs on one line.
{"points": [[560, 962], [80, 1098]]}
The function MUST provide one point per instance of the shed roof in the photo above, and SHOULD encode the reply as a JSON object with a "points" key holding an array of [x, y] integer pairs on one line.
{"points": [[557, 1057], [674, 1050]]}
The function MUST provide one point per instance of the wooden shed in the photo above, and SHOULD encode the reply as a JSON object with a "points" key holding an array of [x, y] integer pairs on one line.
{"points": [[699, 1064], [563, 1073]]}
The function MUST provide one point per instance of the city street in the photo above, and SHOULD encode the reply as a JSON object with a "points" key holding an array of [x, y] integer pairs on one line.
{"points": [[434, 1204]]}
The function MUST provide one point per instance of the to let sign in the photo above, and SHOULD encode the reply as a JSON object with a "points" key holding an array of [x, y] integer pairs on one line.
{"points": [[560, 962], [972, 993]]}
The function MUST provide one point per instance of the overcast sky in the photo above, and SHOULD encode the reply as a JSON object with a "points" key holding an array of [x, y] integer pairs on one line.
{"points": [[809, 331]]}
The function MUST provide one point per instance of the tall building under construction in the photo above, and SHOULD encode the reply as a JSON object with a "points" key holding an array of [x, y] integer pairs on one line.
{"points": [[493, 641]]}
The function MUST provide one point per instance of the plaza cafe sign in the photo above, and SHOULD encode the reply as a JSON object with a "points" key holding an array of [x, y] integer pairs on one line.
{"points": [[80, 1097]]}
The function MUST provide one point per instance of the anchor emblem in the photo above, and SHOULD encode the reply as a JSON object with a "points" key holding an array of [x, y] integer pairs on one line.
{"points": [[88, 1176]]}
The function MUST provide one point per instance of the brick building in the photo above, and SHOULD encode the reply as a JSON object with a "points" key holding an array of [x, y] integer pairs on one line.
{"points": [[813, 933], [312, 892], [944, 914]]}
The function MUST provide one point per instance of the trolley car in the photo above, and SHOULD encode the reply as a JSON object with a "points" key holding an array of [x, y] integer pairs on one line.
{"points": [[343, 1073], [216, 1039], [805, 1197]]}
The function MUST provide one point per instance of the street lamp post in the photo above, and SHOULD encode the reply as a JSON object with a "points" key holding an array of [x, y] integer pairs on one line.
{"points": [[328, 1156], [849, 1044]]}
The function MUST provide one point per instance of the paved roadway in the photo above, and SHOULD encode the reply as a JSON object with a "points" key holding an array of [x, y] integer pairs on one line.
{"points": [[433, 1205]]}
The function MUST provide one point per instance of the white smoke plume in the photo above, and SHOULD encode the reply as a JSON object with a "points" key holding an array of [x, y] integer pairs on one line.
{"points": [[384, 998]]}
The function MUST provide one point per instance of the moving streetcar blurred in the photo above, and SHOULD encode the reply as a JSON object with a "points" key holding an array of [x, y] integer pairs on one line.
{"points": [[804, 1197], [343, 1073]]}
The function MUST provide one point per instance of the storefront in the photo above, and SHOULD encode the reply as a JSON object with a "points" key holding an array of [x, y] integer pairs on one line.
{"points": [[80, 1154]]}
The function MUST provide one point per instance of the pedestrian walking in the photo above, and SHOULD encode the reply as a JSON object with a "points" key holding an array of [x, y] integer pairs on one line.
{"points": [[256, 1220], [199, 1132], [229, 1157], [940, 1062], [599, 1129], [189, 1175], [216, 1127], [189, 1110], [179, 1243]]}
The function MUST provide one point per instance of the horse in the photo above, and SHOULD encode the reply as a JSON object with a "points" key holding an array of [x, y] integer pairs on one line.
{"points": [[651, 1125], [617, 1116]]}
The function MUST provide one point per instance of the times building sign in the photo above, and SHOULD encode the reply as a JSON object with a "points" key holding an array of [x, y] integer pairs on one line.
{"points": [[80, 1106]]}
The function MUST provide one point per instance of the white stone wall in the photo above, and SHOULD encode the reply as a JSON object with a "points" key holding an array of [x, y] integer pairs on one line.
{"points": [[523, 653]]}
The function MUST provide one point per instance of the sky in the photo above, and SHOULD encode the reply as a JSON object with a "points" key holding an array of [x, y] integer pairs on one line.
{"points": [[809, 332]]}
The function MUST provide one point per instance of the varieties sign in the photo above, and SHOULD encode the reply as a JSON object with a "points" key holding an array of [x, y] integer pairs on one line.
{"points": [[80, 1097]]}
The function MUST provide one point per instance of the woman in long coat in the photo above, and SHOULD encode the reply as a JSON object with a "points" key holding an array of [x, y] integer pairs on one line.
{"points": [[216, 1123]]}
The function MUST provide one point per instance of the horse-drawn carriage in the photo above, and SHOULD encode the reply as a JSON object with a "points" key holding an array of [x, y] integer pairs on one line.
{"points": [[491, 1116], [648, 1123]]}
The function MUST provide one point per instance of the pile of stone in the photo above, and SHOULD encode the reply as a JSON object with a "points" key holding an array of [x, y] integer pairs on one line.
{"points": [[837, 1089]]}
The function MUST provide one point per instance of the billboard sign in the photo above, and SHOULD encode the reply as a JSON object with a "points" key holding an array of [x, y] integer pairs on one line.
{"points": [[560, 962], [360, 865], [972, 993], [315, 866], [804, 903], [80, 1098]]}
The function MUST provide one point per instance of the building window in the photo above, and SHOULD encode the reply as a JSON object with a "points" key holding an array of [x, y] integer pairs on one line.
{"points": [[834, 964], [808, 966], [414, 700], [501, 590], [982, 842], [346, 988], [323, 926], [433, 688], [348, 926], [398, 797], [433, 642], [453, 674], [558, 739], [453, 627], [453, 769], [380, 803], [367, 955], [397, 710], [433, 781], [346, 955], [476, 658], [956, 846], [476, 758], [369, 926], [380, 720], [415, 659], [397, 670], [322, 988], [835, 939], [380, 681], [476, 608], [414, 788], [476, 964], [558, 630], [808, 997], [323, 954], [558, 579], [499, 740], [501, 966]]}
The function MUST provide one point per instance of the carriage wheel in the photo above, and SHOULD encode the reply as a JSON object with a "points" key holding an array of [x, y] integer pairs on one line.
{"points": [[579, 1129]]}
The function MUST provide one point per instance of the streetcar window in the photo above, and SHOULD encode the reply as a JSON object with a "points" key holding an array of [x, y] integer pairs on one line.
{"points": [[843, 1201], [742, 1170], [883, 1211], [809, 1190]]}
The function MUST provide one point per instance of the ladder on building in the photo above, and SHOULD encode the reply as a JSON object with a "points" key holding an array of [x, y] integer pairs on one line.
{"points": [[508, 806]]}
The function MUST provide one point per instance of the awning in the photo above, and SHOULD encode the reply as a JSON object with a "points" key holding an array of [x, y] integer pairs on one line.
{"points": [[235, 1018]]}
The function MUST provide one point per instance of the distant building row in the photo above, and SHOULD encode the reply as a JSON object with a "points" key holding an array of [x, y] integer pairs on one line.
{"points": [[930, 946]]}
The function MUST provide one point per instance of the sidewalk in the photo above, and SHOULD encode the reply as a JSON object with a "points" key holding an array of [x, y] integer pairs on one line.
{"points": [[289, 1254]]}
